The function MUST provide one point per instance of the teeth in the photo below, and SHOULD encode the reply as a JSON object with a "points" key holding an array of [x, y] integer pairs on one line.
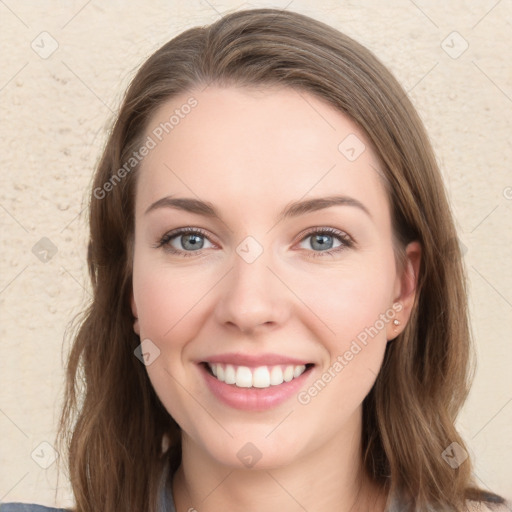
{"points": [[276, 375], [243, 377], [229, 374], [260, 377], [297, 371], [288, 374]]}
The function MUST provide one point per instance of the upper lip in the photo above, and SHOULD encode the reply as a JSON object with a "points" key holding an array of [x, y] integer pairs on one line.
{"points": [[255, 360]]}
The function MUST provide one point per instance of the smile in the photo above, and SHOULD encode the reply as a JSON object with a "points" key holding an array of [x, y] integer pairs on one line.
{"points": [[259, 377], [254, 382]]}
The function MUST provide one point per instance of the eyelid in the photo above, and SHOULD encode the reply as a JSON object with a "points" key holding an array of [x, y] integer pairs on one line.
{"points": [[326, 229], [346, 240], [174, 233]]}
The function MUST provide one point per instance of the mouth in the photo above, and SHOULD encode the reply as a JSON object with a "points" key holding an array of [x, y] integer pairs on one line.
{"points": [[260, 377]]}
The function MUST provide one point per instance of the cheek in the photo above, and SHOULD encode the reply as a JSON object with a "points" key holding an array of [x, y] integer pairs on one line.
{"points": [[350, 299], [165, 297], [355, 306], [165, 300]]}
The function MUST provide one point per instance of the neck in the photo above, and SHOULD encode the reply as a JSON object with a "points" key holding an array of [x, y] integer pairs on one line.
{"points": [[325, 479]]}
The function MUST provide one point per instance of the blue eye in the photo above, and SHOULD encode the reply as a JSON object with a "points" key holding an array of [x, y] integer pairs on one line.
{"points": [[190, 241], [322, 241]]}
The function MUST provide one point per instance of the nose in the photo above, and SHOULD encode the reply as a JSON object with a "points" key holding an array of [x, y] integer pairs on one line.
{"points": [[252, 297]]}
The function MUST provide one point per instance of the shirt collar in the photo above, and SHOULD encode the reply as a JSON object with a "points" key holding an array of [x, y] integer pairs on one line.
{"points": [[166, 498]]}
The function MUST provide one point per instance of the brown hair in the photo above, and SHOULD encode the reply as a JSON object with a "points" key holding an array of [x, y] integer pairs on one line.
{"points": [[113, 423]]}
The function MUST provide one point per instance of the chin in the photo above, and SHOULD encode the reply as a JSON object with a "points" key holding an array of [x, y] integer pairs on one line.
{"points": [[253, 452]]}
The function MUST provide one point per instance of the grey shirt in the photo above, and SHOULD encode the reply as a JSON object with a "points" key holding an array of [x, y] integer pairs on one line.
{"points": [[166, 502]]}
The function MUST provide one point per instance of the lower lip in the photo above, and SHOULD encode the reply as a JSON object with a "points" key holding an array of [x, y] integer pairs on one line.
{"points": [[253, 399]]}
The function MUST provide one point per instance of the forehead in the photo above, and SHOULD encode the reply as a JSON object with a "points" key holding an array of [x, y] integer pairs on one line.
{"points": [[262, 145]]}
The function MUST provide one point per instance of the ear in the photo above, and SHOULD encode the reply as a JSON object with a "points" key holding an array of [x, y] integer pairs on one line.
{"points": [[405, 290], [136, 326]]}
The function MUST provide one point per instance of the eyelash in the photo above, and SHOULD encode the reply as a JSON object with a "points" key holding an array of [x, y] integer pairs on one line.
{"points": [[346, 240]]}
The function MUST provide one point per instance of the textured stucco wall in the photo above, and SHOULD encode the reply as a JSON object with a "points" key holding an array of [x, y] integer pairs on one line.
{"points": [[55, 111]]}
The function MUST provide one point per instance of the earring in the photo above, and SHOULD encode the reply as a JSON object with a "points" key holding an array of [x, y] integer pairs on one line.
{"points": [[396, 323]]}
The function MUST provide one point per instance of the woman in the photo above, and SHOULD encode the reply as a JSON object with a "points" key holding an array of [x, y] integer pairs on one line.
{"points": [[279, 318]]}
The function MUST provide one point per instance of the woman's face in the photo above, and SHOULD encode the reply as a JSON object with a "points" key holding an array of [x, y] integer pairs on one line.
{"points": [[288, 273]]}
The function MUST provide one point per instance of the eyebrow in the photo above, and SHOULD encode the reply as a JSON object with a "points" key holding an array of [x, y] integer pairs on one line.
{"points": [[294, 209]]}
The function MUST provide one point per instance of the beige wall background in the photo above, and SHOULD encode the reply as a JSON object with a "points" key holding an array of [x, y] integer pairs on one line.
{"points": [[64, 68]]}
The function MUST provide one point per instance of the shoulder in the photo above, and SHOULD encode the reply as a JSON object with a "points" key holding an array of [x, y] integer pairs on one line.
{"points": [[28, 507], [479, 506]]}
